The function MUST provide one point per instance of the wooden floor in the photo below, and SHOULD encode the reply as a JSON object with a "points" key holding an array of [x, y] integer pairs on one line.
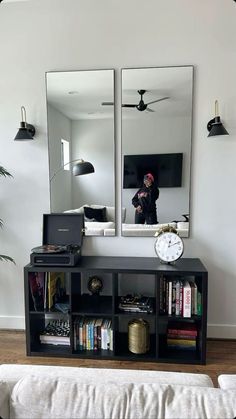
{"points": [[221, 358]]}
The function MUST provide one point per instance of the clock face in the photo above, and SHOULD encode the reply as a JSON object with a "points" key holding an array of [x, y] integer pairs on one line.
{"points": [[169, 247]]}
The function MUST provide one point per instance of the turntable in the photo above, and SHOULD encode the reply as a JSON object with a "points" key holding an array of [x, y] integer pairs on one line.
{"points": [[62, 240]]}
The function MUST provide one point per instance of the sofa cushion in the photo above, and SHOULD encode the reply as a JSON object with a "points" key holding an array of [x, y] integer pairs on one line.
{"points": [[13, 373], [95, 214], [109, 232], [4, 400], [97, 229], [110, 211], [227, 381], [41, 397]]}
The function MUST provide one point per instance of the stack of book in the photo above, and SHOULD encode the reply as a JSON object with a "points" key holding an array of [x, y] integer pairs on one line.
{"points": [[57, 332], [136, 303], [93, 334], [182, 336], [180, 297]]}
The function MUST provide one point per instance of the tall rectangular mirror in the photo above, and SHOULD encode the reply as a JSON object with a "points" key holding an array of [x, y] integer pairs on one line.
{"points": [[79, 127], [156, 140]]}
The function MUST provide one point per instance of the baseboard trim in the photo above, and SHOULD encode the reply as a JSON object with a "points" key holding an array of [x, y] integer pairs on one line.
{"points": [[221, 331], [12, 322]]}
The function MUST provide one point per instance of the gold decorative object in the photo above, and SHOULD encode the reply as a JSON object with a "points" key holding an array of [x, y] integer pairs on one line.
{"points": [[95, 285], [138, 336]]}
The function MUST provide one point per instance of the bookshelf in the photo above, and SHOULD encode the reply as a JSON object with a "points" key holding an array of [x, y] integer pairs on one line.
{"points": [[120, 276]]}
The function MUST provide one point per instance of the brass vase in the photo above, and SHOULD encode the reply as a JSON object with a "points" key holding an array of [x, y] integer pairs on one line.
{"points": [[138, 336]]}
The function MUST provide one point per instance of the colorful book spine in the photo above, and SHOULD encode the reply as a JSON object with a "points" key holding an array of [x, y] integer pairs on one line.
{"points": [[181, 342], [199, 303], [173, 310], [193, 298], [92, 334], [177, 298], [181, 336]]}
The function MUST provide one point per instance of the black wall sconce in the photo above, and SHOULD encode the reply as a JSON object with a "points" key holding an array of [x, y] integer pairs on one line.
{"points": [[26, 131], [215, 126]]}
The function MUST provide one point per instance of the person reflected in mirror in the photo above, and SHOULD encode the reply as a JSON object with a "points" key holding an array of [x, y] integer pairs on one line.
{"points": [[144, 201]]}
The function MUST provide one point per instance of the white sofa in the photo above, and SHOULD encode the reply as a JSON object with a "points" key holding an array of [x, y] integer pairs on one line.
{"points": [[34, 392], [93, 228]]}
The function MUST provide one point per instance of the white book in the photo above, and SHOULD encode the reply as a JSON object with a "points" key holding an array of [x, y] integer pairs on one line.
{"points": [[103, 335], [111, 339], [170, 299], [187, 299]]}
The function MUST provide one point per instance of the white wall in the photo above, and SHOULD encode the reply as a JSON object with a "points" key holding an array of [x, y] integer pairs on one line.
{"points": [[93, 140], [59, 128], [44, 35]]}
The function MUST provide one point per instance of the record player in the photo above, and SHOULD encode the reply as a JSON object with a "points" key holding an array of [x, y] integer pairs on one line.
{"points": [[62, 240]]}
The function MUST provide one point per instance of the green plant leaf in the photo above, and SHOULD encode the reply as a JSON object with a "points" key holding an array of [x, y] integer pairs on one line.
{"points": [[7, 259], [4, 172]]}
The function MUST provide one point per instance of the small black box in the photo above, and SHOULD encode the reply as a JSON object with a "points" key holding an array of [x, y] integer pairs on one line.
{"points": [[62, 229]]}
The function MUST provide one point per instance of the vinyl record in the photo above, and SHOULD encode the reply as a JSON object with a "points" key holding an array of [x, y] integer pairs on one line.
{"points": [[49, 248]]}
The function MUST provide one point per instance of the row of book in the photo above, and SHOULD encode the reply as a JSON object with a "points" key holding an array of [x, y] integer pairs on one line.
{"points": [[93, 334], [180, 298], [48, 291], [182, 337]]}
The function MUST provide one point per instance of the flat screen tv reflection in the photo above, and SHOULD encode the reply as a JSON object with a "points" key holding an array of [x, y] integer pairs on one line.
{"points": [[166, 169]]}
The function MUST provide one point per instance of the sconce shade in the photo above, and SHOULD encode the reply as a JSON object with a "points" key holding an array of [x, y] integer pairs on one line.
{"points": [[26, 131], [83, 168], [216, 127]]}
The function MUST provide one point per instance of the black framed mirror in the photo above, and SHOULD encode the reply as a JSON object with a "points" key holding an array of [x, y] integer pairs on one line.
{"points": [[156, 140], [79, 127]]}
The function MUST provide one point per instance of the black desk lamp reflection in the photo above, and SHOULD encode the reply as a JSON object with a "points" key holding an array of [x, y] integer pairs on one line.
{"points": [[80, 168]]}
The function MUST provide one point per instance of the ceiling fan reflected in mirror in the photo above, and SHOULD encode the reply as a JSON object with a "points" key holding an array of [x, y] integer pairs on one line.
{"points": [[141, 106]]}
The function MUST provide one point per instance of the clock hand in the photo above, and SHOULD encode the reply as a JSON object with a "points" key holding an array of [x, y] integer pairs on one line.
{"points": [[173, 244]]}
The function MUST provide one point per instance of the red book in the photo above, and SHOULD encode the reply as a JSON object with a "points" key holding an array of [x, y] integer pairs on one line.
{"points": [[182, 329]]}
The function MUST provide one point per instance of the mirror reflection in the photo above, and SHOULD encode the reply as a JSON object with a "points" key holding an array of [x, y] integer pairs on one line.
{"points": [[156, 148], [80, 138]]}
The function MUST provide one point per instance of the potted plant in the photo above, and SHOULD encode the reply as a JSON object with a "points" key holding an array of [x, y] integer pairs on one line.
{"points": [[5, 173]]}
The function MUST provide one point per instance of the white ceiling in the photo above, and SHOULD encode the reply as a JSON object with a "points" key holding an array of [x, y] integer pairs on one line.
{"points": [[91, 88]]}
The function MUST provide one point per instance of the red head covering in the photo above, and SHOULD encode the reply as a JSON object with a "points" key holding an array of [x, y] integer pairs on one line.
{"points": [[149, 176]]}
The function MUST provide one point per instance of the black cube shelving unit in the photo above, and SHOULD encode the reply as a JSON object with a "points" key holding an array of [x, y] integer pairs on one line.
{"points": [[119, 272]]}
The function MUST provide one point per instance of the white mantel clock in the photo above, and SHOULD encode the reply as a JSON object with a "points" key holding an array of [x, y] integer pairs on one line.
{"points": [[168, 245]]}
